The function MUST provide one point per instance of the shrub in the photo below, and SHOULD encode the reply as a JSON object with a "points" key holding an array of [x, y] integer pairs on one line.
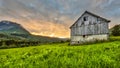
{"points": [[116, 30]]}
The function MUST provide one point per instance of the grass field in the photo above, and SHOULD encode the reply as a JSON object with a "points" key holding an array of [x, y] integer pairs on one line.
{"points": [[61, 55]]}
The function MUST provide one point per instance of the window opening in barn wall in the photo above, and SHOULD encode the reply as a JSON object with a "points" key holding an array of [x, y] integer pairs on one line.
{"points": [[85, 18]]}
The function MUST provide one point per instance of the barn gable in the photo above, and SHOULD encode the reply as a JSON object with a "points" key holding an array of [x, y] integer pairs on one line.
{"points": [[85, 14]]}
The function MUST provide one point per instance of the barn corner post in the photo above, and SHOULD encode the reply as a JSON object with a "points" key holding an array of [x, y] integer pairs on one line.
{"points": [[88, 28]]}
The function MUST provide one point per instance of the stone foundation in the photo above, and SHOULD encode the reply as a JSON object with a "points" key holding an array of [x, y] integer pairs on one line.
{"points": [[89, 38]]}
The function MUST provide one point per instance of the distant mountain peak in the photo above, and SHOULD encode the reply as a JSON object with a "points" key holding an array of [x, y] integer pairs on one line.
{"points": [[9, 27], [8, 22], [12, 30]]}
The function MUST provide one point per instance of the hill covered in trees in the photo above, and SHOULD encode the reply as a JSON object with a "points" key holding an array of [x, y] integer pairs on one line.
{"points": [[13, 33]]}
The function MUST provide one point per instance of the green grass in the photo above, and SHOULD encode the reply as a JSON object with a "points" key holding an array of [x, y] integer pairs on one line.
{"points": [[60, 55]]}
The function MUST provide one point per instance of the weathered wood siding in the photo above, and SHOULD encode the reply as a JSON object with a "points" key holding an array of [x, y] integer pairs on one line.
{"points": [[91, 27]]}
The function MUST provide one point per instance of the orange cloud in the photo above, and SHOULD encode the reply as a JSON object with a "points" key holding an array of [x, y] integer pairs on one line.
{"points": [[54, 17], [44, 28]]}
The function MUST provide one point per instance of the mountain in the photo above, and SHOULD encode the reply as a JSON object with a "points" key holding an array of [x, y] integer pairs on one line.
{"points": [[9, 27], [13, 31]]}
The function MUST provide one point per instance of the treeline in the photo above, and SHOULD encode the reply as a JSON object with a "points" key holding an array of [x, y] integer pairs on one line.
{"points": [[115, 31], [14, 43], [17, 43]]}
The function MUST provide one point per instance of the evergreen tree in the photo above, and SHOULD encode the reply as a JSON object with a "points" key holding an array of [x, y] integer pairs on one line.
{"points": [[116, 30]]}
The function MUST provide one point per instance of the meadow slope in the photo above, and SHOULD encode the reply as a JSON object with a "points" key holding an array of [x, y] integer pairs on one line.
{"points": [[60, 55]]}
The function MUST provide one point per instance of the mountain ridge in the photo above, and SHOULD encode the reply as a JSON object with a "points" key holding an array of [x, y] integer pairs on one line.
{"points": [[12, 30], [12, 27]]}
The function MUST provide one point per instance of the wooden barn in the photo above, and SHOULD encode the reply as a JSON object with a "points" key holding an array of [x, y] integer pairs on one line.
{"points": [[89, 28]]}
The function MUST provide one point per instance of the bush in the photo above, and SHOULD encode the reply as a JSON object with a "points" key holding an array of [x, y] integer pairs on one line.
{"points": [[116, 30], [3, 45]]}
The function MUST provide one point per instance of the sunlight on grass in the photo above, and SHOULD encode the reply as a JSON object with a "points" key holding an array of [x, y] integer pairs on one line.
{"points": [[61, 55]]}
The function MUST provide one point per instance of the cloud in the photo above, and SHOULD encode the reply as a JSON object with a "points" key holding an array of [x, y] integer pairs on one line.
{"points": [[54, 17]]}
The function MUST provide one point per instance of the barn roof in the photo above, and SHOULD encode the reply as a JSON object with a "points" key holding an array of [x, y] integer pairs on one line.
{"points": [[91, 14]]}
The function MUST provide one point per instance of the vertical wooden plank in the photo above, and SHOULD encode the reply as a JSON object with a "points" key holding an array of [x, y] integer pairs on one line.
{"points": [[80, 30], [98, 28], [83, 27], [101, 28]]}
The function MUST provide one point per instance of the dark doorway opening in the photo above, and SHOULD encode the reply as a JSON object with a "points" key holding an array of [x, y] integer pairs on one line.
{"points": [[84, 36]]}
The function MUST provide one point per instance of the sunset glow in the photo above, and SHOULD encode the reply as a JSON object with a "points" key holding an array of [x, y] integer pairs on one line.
{"points": [[54, 17]]}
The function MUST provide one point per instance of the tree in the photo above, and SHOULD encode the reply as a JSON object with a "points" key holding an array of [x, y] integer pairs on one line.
{"points": [[116, 30]]}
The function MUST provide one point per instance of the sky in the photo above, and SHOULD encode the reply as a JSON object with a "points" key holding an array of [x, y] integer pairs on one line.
{"points": [[54, 17]]}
